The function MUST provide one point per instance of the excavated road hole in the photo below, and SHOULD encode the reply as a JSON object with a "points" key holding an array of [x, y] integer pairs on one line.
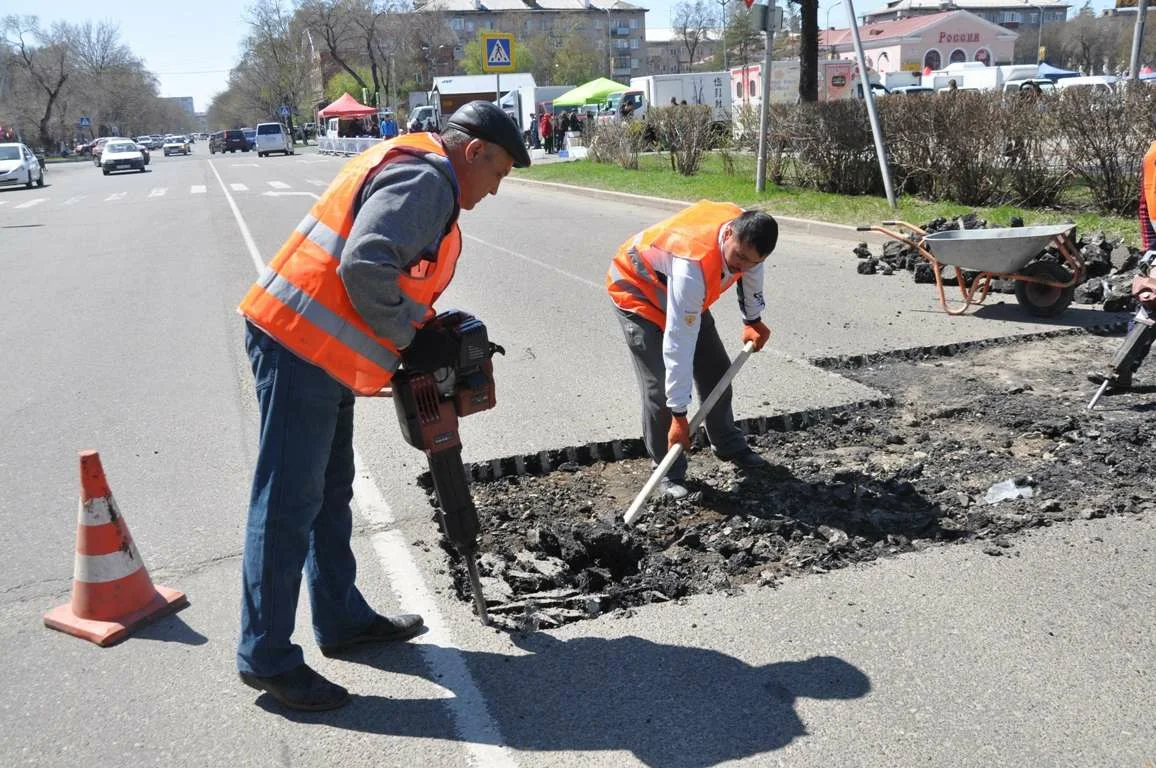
{"points": [[870, 483]]}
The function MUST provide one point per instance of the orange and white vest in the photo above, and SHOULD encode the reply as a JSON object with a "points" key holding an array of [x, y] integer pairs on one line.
{"points": [[301, 301], [636, 286], [1148, 200]]}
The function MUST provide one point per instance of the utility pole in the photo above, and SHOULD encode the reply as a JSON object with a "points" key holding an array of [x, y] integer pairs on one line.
{"points": [[723, 36], [1137, 41], [869, 97], [765, 116]]}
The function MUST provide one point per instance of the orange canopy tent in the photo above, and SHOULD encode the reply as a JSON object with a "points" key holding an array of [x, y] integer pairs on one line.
{"points": [[347, 106]]}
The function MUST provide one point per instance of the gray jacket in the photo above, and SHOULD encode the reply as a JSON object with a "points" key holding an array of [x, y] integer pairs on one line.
{"points": [[402, 215]]}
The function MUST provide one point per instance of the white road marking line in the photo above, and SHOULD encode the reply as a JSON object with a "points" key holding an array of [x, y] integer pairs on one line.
{"points": [[158, 192], [472, 721], [279, 185], [115, 196], [236, 187], [3, 202], [197, 189], [32, 202], [318, 182], [244, 165], [532, 260], [73, 199]]}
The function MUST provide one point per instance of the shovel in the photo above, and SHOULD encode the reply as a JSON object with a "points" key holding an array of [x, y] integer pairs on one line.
{"points": [[635, 510]]}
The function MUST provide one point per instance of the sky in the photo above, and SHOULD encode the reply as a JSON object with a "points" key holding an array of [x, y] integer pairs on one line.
{"points": [[192, 47]]}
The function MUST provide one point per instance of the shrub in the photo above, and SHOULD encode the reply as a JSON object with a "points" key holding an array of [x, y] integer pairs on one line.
{"points": [[615, 142], [686, 131], [835, 148]]}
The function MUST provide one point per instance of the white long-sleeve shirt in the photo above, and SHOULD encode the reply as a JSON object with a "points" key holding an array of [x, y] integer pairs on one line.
{"points": [[685, 293]]}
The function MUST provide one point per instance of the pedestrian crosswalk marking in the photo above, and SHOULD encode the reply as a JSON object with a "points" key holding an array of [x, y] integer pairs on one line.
{"points": [[238, 187], [197, 189], [3, 202], [115, 196], [318, 182], [73, 199], [278, 185], [158, 192], [32, 202]]}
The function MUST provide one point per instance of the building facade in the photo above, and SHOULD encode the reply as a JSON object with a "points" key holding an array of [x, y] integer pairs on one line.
{"points": [[614, 28], [917, 43], [666, 52], [1009, 14]]}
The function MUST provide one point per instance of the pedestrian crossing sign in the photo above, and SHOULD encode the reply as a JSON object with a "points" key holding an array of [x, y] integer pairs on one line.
{"points": [[499, 52]]}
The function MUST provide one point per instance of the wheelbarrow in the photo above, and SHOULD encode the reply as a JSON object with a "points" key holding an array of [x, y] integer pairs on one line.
{"points": [[1043, 288]]}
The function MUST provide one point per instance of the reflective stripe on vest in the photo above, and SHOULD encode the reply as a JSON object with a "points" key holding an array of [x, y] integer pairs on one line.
{"points": [[636, 286], [301, 301]]}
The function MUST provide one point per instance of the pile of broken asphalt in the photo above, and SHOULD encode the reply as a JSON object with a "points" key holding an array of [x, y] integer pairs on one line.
{"points": [[865, 483]]}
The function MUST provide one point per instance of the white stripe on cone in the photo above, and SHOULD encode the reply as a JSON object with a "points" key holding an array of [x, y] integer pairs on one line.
{"points": [[98, 569], [98, 511]]}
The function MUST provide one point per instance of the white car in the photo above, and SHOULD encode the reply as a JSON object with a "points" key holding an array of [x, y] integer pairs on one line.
{"points": [[19, 166], [121, 155], [175, 145], [272, 137]]}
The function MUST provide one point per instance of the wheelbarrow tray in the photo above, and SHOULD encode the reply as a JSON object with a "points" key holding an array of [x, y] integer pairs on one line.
{"points": [[1002, 251]]}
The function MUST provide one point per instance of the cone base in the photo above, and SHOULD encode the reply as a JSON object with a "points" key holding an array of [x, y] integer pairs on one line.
{"points": [[106, 633]]}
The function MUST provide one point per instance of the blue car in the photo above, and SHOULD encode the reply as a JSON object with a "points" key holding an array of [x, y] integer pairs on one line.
{"points": [[250, 137]]}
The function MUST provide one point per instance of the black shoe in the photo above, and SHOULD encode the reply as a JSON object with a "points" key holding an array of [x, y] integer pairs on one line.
{"points": [[300, 688], [383, 629], [748, 460]]}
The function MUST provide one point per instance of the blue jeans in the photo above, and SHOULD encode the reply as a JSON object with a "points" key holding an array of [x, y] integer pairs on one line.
{"points": [[299, 515]]}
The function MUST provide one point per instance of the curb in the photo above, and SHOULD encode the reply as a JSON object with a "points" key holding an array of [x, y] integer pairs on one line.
{"points": [[787, 223]]}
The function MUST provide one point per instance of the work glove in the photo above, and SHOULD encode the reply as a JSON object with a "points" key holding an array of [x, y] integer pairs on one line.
{"points": [[432, 347], [758, 332], [679, 433]]}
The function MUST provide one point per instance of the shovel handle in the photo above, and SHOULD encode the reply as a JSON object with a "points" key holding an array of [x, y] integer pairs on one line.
{"points": [[635, 509]]}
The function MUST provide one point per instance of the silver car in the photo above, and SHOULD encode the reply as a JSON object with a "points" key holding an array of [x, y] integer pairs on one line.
{"points": [[19, 166]]}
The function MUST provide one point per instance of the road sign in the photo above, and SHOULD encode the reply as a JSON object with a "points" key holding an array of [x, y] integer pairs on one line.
{"points": [[499, 52], [284, 111], [85, 122]]}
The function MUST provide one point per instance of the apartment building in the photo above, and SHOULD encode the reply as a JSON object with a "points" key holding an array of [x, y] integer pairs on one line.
{"points": [[614, 28]]}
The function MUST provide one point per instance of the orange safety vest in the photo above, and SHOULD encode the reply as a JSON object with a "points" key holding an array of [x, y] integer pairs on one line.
{"points": [[636, 286], [1148, 199], [301, 301]]}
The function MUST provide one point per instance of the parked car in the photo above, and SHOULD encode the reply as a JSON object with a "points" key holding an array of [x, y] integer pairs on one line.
{"points": [[228, 141], [176, 145], [250, 137], [19, 166], [423, 118], [121, 155], [273, 137], [98, 147]]}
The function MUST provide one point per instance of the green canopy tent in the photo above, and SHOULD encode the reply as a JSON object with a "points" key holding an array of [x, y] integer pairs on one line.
{"points": [[592, 92]]}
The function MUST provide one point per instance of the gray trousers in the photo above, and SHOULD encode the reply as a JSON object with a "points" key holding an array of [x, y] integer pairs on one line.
{"points": [[644, 339]]}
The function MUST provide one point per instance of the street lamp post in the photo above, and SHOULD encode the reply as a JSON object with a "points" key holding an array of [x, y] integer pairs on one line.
{"points": [[723, 39], [609, 47], [827, 28], [1039, 32]]}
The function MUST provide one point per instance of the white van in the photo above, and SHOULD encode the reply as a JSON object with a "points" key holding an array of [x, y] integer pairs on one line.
{"points": [[273, 137], [1102, 84]]}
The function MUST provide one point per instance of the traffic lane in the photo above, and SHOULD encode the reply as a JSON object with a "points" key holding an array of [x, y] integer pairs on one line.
{"points": [[126, 345], [817, 303], [169, 695]]}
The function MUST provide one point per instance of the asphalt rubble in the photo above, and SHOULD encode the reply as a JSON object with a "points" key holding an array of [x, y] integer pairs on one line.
{"points": [[975, 447], [1110, 264]]}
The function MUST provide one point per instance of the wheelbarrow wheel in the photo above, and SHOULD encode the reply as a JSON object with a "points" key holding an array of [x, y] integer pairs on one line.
{"points": [[1044, 300]]}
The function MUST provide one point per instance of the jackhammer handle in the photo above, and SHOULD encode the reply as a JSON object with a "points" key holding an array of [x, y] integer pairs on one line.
{"points": [[635, 509]]}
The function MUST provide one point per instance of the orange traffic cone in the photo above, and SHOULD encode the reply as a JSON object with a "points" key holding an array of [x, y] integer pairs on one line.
{"points": [[112, 593]]}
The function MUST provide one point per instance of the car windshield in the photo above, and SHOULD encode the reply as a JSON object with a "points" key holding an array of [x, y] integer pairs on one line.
{"points": [[120, 146], [265, 130], [9, 153]]}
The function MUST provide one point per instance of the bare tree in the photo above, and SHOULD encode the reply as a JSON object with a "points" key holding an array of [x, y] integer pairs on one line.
{"points": [[808, 49], [693, 21], [332, 22], [47, 65]]}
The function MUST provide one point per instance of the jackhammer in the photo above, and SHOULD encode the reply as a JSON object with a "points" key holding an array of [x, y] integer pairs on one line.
{"points": [[1141, 333], [429, 404]]}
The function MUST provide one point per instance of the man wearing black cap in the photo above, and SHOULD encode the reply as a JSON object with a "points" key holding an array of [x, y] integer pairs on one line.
{"points": [[339, 307]]}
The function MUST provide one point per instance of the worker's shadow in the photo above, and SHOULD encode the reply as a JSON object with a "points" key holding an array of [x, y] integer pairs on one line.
{"points": [[670, 705]]}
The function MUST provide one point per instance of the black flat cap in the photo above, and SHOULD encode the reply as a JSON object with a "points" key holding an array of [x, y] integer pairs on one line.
{"points": [[486, 121]]}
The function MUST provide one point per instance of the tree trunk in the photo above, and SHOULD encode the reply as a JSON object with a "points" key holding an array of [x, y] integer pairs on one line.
{"points": [[809, 50]]}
